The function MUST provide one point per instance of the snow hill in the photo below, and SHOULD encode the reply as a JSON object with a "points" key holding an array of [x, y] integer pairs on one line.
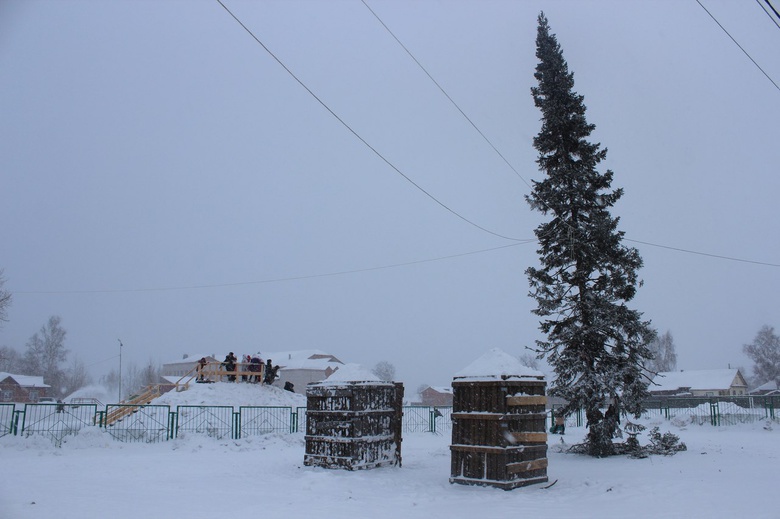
{"points": [[235, 394]]}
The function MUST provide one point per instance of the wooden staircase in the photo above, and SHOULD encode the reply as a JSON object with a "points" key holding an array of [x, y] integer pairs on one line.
{"points": [[130, 406]]}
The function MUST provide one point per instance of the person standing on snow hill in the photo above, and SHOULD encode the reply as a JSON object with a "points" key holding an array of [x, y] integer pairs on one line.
{"points": [[270, 372], [245, 361], [201, 366], [230, 365]]}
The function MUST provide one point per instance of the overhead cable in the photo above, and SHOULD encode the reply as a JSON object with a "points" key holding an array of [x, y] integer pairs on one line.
{"points": [[738, 45], [515, 170], [273, 280], [357, 135], [768, 13]]}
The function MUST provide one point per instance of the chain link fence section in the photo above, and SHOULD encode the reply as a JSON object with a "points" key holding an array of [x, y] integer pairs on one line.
{"points": [[6, 419], [143, 423], [214, 421], [254, 421], [300, 421], [56, 420]]}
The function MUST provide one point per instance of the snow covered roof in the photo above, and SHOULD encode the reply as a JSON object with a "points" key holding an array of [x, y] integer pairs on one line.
{"points": [[498, 365], [24, 380], [350, 373], [441, 389], [195, 357], [700, 380], [303, 359], [769, 386]]}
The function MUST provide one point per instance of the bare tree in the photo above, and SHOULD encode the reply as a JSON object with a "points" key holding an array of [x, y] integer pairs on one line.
{"points": [[10, 360], [46, 354], [76, 376], [5, 300], [384, 370], [150, 374], [664, 353], [530, 360], [764, 351]]}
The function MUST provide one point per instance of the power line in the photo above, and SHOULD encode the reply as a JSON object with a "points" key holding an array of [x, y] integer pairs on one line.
{"points": [[738, 45], [273, 280], [351, 130], [544, 202], [772, 8], [446, 94], [768, 13], [718, 256]]}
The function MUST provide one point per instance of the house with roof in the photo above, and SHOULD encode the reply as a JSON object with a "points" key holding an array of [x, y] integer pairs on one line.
{"points": [[302, 367], [705, 382], [768, 389], [179, 368], [436, 396], [23, 389]]}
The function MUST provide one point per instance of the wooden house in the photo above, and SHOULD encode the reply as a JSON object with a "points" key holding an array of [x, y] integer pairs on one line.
{"points": [[435, 396], [22, 389], [703, 383]]}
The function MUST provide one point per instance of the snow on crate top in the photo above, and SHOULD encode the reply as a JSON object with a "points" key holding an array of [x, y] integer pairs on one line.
{"points": [[350, 373], [498, 365]]}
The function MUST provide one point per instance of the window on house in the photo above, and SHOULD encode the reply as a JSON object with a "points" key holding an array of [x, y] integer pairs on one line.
{"points": [[33, 395], [7, 395]]}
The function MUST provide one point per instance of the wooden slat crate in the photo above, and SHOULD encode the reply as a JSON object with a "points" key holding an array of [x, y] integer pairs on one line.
{"points": [[499, 433], [353, 425]]}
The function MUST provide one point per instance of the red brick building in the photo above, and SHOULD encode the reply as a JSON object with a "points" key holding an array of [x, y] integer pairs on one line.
{"points": [[437, 396], [22, 389]]}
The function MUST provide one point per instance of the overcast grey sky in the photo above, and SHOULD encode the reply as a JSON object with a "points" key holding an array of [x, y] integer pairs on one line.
{"points": [[167, 183]]}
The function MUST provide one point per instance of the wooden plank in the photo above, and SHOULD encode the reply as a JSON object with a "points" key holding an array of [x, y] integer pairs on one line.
{"points": [[526, 400], [478, 416], [487, 450], [532, 437], [526, 466]]}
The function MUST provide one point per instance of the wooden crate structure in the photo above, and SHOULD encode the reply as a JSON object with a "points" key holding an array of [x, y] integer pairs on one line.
{"points": [[353, 425], [499, 433]]}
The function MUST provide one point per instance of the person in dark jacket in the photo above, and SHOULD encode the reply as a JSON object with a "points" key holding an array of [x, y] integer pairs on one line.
{"points": [[230, 365], [270, 372]]}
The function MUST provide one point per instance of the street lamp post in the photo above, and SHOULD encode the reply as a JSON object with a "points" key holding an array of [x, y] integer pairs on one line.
{"points": [[120, 371]]}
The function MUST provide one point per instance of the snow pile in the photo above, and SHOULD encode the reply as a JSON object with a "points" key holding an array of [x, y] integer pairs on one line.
{"points": [[497, 364], [97, 392], [352, 373], [235, 394]]}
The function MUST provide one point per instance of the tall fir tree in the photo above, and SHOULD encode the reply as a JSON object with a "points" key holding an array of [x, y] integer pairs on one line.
{"points": [[595, 343]]}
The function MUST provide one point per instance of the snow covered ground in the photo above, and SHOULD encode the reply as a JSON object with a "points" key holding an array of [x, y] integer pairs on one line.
{"points": [[726, 472]]}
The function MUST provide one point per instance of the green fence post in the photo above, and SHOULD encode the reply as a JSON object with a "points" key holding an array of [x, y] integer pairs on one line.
{"points": [[236, 425], [15, 424], [173, 424], [293, 421], [714, 413]]}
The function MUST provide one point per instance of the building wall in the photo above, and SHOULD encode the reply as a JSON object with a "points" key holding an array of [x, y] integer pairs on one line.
{"points": [[432, 397], [11, 391], [301, 377]]}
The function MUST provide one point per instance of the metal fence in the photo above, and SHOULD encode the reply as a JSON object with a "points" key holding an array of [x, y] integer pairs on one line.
{"points": [[142, 423], [427, 419], [715, 411], [214, 421], [154, 423], [56, 420], [6, 419], [254, 421]]}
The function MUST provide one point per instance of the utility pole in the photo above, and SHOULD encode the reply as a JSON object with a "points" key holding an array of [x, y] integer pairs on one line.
{"points": [[120, 371]]}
